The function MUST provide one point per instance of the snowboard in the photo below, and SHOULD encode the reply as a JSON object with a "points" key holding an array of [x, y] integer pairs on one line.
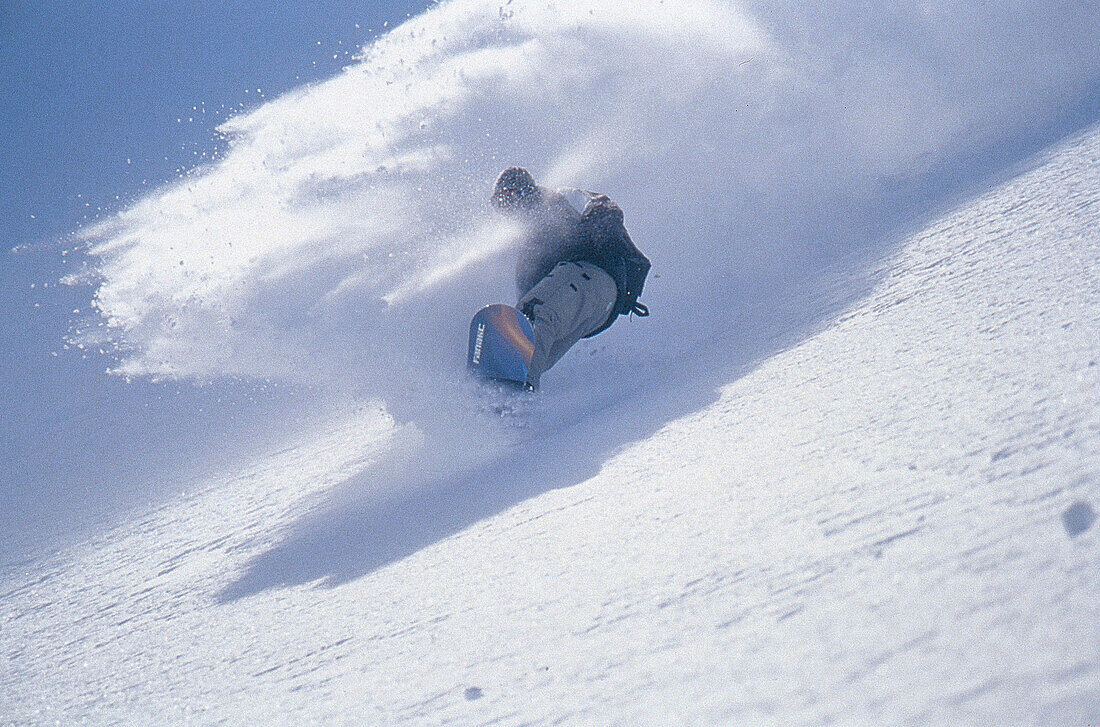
{"points": [[501, 345]]}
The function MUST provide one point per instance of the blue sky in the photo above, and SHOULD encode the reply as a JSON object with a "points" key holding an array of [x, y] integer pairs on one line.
{"points": [[94, 111], [90, 85]]}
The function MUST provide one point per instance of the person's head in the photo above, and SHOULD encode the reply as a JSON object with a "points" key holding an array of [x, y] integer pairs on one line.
{"points": [[515, 190]]}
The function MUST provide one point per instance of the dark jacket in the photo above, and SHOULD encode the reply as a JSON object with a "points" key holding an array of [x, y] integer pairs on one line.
{"points": [[558, 232]]}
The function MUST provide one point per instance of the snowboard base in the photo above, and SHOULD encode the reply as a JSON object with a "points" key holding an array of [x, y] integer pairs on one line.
{"points": [[502, 343]]}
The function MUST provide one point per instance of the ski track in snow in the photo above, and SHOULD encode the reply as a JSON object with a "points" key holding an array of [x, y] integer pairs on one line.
{"points": [[866, 527]]}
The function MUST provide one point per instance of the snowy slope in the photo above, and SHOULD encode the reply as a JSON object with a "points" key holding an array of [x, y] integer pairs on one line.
{"points": [[334, 246], [865, 527]]}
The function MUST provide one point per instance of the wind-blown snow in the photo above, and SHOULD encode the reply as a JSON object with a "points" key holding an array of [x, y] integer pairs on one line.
{"points": [[343, 239]]}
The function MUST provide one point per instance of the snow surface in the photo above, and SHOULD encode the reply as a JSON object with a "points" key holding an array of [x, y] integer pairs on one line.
{"points": [[865, 527], [844, 473]]}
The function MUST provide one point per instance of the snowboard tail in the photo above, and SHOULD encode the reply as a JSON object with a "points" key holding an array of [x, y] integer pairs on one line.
{"points": [[502, 343]]}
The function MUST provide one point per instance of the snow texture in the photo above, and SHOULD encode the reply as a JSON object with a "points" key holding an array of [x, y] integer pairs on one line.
{"points": [[844, 474]]}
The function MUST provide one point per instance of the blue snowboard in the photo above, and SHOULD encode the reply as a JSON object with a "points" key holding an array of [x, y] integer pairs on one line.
{"points": [[501, 345]]}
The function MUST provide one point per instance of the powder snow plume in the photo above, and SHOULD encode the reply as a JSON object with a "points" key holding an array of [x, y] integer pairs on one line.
{"points": [[344, 238]]}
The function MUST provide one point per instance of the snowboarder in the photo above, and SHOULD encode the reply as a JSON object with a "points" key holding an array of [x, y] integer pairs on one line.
{"points": [[578, 269]]}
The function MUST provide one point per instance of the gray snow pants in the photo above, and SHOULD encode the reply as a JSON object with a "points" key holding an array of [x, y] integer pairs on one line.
{"points": [[573, 300]]}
